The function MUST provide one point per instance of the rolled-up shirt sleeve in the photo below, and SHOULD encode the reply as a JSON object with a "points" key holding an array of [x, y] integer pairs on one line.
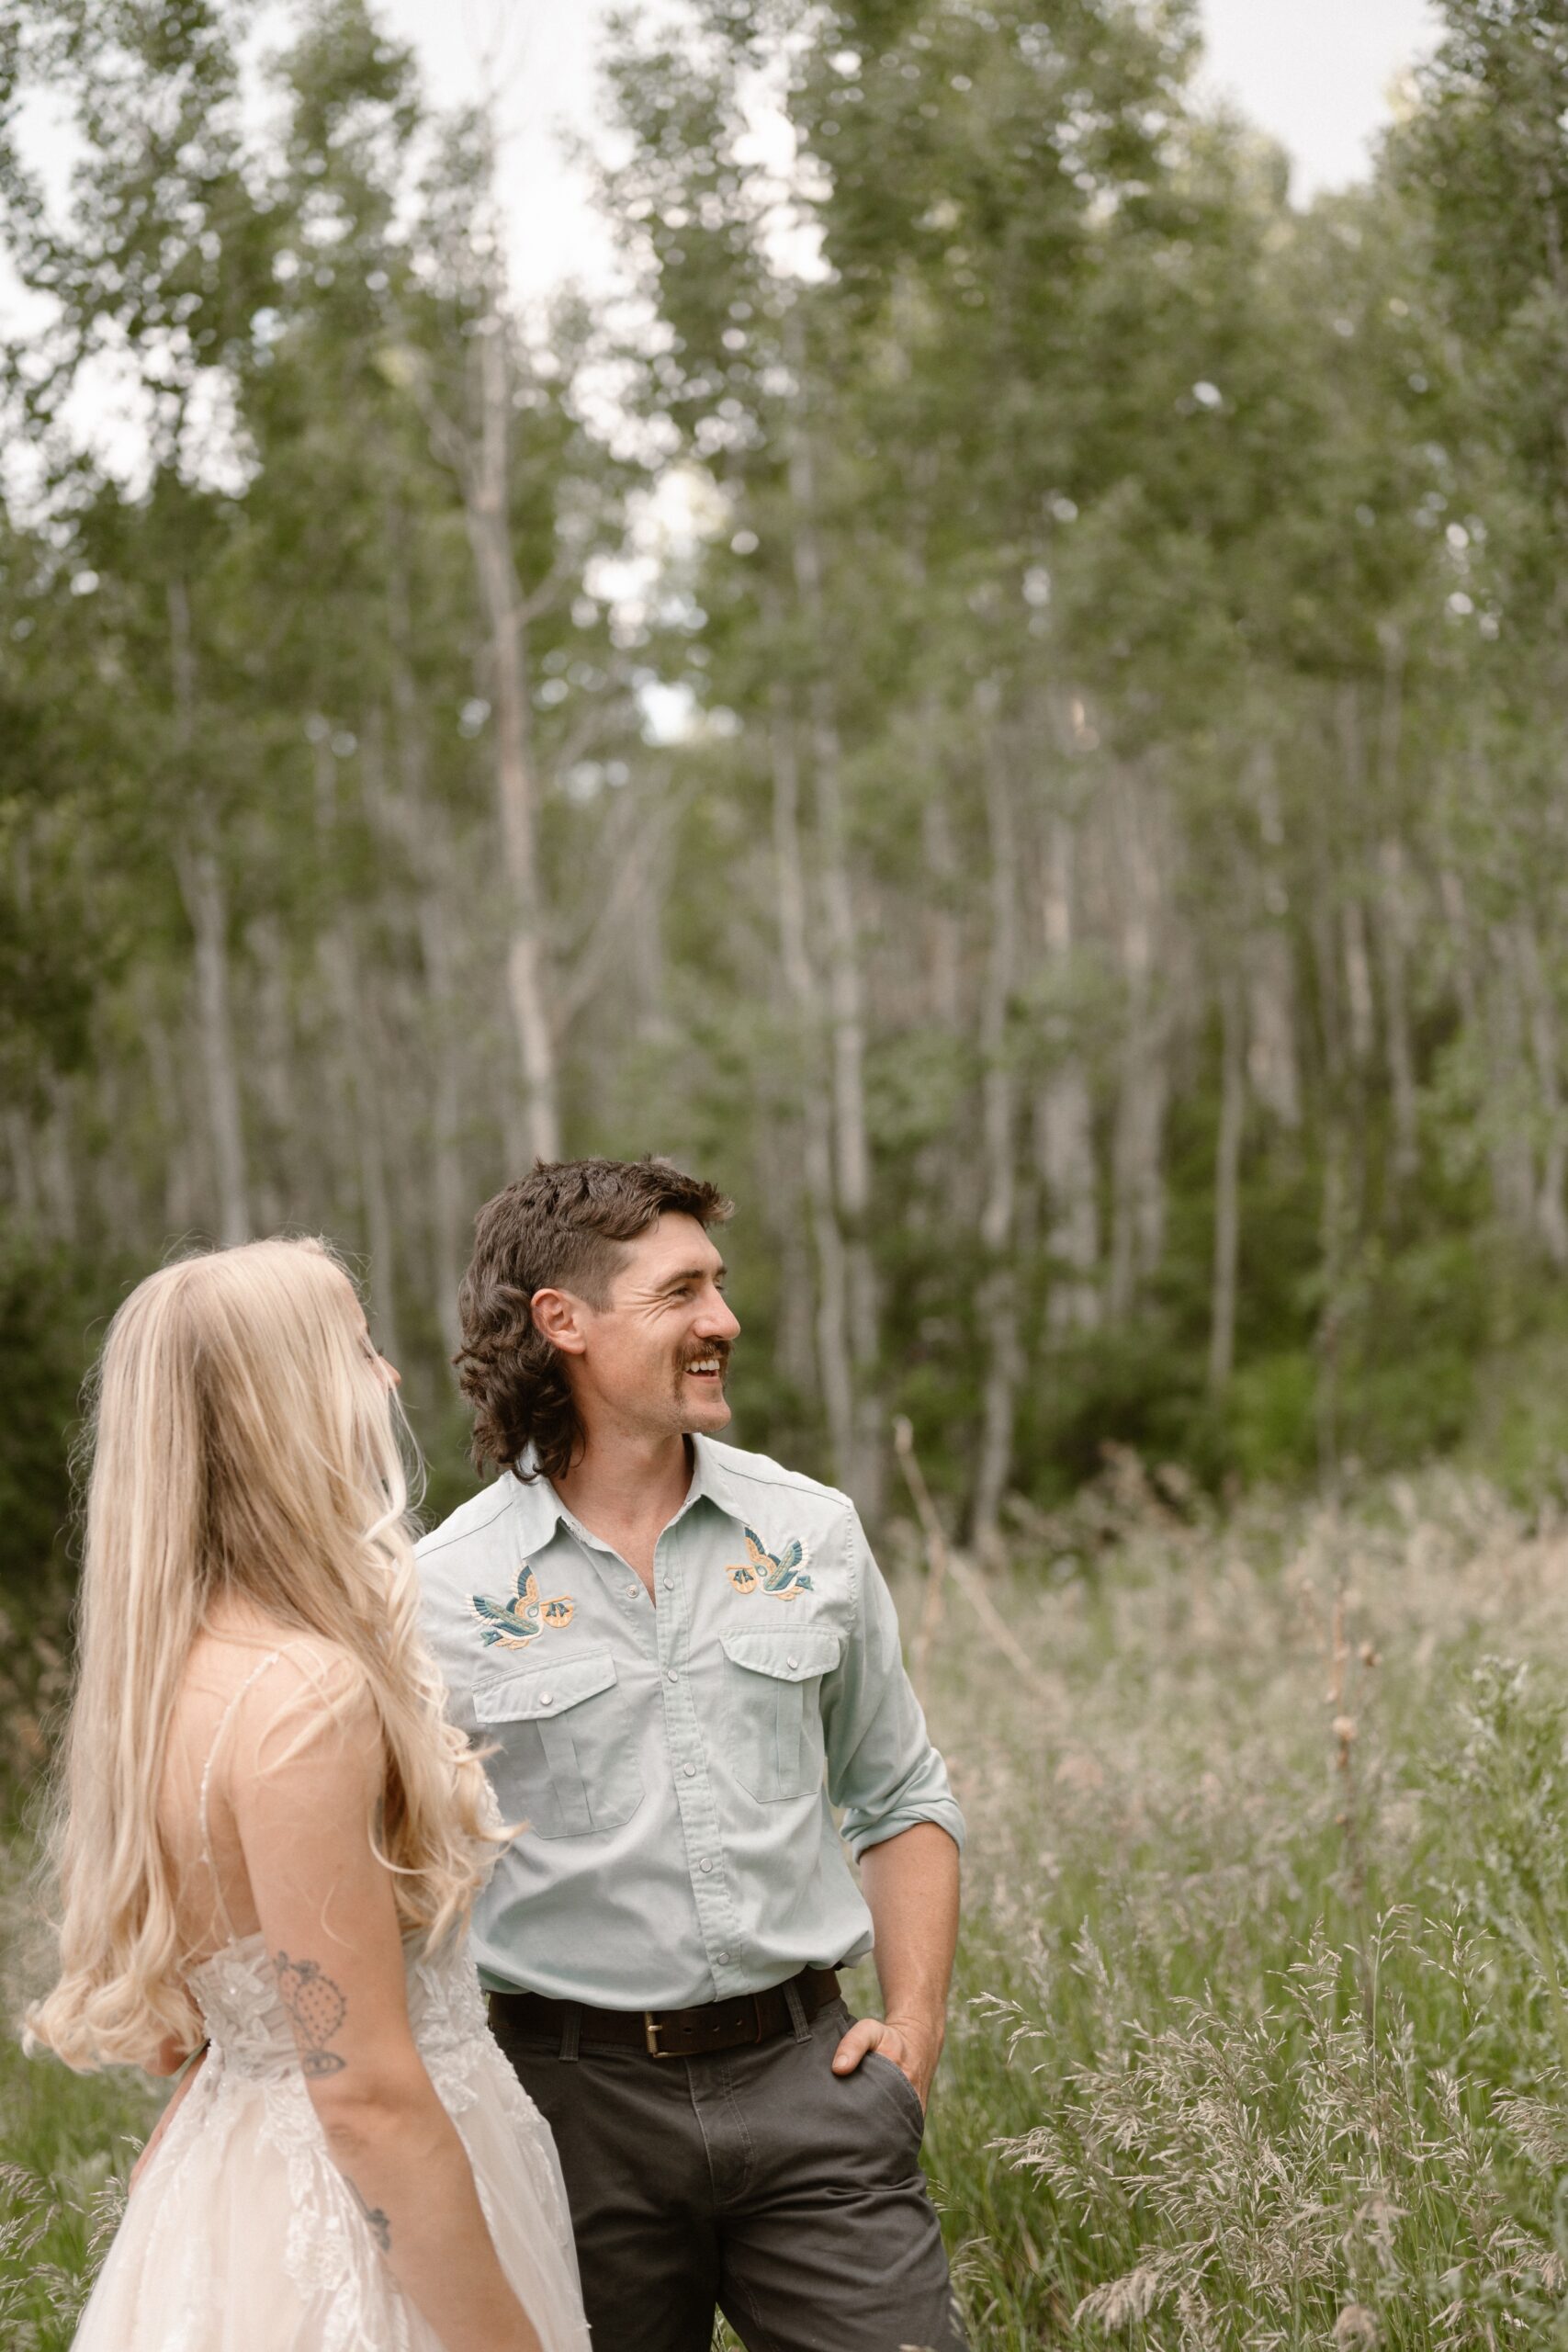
{"points": [[882, 1768]]}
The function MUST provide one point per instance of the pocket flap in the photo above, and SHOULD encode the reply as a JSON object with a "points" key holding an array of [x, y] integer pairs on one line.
{"points": [[787, 1655], [505, 1693]]}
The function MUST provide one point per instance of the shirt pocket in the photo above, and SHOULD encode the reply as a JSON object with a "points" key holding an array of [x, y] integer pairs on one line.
{"points": [[774, 1681], [566, 1760]]}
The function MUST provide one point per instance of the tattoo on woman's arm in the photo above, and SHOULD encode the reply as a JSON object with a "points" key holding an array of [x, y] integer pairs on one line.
{"points": [[376, 2222], [318, 2008]]}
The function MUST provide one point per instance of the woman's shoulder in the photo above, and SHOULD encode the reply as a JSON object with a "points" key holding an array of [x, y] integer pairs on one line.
{"points": [[286, 1684]]}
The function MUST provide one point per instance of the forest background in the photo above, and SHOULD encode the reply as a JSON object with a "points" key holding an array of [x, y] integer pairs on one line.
{"points": [[1005, 703]]}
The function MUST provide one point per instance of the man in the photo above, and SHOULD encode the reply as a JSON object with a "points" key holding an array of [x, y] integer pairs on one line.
{"points": [[680, 1656]]}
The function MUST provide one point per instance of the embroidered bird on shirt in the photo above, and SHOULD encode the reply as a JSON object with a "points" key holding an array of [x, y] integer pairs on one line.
{"points": [[761, 1572], [512, 1625]]}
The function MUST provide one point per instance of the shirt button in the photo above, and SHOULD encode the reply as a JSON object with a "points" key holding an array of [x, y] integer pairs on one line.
{"points": [[793, 1661], [631, 1592], [547, 1699], [723, 1958], [669, 1583], [671, 1675], [690, 1771], [705, 1865]]}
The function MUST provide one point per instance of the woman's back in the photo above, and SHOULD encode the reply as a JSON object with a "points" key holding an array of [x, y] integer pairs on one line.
{"points": [[256, 1697]]}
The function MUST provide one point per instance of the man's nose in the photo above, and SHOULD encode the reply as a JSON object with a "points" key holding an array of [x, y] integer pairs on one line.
{"points": [[720, 1322]]}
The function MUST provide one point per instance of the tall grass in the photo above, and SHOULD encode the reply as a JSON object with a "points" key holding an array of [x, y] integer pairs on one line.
{"points": [[67, 2144], [1260, 2035]]}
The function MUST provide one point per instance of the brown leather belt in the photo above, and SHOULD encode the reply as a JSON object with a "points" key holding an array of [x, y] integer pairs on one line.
{"points": [[669, 2033]]}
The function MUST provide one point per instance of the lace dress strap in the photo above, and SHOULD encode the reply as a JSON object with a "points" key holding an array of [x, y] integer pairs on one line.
{"points": [[224, 1720]]}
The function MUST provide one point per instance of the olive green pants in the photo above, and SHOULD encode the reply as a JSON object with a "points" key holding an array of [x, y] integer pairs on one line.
{"points": [[755, 2181]]}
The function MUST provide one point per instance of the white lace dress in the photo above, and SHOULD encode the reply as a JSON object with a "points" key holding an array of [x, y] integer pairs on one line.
{"points": [[242, 2235]]}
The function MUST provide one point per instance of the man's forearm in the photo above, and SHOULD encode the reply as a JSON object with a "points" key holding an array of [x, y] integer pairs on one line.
{"points": [[912, 1889]]}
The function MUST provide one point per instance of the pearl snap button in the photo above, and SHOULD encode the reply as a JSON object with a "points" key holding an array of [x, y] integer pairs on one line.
{"points": [[547, 1698], [723, 1958], [704, 1864], [794, 1661], [690, 1771], [671, 1675]]}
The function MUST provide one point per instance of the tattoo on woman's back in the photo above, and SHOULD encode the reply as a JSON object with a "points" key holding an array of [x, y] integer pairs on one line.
{"points": [[318, 2007]]}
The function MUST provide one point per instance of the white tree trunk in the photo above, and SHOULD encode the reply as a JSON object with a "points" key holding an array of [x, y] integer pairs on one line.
{"points": [[425, 836], [795, 1335], [845, 995], [943, 963], [1493, 1020], [1506, 1050], [1063, 1121], [1357, 962], [1137, 1234], [206, 905], [204, 892], [488, 508], [832, 1342], [1358, 982], [1271, 1057], [1228, 1189], [1550, 1209], [1393, 946], [999, 1296]]}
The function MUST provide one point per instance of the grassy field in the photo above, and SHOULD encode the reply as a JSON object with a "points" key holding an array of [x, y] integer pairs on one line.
{"points": [[1259, 2036]]}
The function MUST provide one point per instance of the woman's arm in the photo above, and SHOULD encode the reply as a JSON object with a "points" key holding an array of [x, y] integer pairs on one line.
{"points": [[307, 1782]]}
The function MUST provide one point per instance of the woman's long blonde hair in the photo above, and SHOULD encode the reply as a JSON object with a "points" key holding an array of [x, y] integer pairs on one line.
{"points": [[243, 1448]]}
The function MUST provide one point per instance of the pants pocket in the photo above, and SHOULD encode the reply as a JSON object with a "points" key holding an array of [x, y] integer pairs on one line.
{"points": [[887, 2071]]}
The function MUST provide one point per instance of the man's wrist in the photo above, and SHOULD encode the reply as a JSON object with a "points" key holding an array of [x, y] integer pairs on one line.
{"points": [[920, 2025]]}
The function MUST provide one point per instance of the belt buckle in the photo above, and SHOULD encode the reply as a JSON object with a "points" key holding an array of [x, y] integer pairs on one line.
{"points": [[651, 2029]]}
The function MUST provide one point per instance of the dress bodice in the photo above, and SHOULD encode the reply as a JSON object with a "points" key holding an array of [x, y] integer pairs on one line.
{"points": [[236, 1992]]}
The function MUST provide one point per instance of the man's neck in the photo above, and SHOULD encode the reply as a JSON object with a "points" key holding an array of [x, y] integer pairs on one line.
{"points": [[626, 1490]]}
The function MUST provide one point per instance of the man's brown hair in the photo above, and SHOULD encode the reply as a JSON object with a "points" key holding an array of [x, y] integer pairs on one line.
{"points": [[561, 1228]]}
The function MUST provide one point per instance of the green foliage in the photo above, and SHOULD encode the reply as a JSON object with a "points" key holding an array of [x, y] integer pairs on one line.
{"points": [[1116, 614], [43, 1356]]}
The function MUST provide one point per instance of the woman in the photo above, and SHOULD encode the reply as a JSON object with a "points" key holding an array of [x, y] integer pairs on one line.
{"points": [[269, 1842]]}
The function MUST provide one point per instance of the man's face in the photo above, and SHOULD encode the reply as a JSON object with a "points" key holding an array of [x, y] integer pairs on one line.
{"points": [[655, 1357]]}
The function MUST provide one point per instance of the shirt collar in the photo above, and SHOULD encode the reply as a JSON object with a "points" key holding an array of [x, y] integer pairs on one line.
{"points": [[536, 1506], [709, 1479], [539, 1510]]}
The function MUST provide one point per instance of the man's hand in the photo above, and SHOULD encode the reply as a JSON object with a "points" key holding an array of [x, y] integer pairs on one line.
{"points": [[913, 2045]]}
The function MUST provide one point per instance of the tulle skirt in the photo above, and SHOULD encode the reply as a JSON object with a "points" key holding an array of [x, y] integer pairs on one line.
{"points": [[242, 2236]]}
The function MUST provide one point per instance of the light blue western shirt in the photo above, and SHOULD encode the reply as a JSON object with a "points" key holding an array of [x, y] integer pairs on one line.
{"points": [[678, 1764]]}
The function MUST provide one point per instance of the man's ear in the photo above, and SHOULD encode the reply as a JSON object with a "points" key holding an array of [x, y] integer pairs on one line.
{"points": [[558, 1317]]}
